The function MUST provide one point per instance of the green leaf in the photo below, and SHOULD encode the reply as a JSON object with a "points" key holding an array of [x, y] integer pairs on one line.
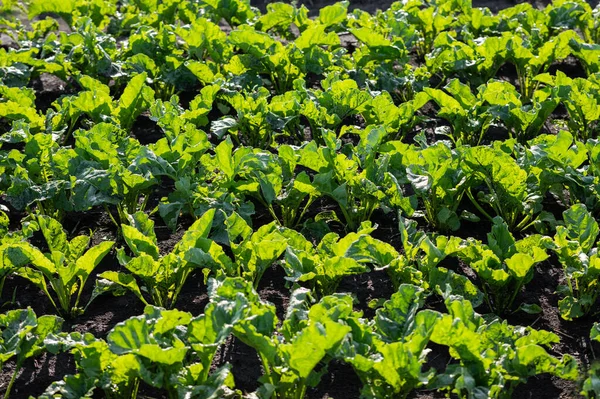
{"points": [[224, 156], [47, 324], [530, 308], [77, 247], [279, 14], [595, 332], [53, 233], [72, 386], [570, 308], [142, 222], [333, 14], [23, 334], [198, 230], [129, 335], [581, 226], [37, 7], [35, 257], [14, 326], [139, 243], [136, 98], [449, 283], [538, 361], [315, 35], [144, 266], [520, 265], [398, 313], [88, 262], [500, 240], [120, 279], [310, 346]]}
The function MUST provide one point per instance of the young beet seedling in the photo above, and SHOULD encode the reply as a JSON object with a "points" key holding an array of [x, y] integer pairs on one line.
{"points": [[22, 336], [574, 243], [64, 269], [504, 265], [161, 276]]}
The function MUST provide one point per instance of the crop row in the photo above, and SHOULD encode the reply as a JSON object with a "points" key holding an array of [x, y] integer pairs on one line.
{"points": [[523, 184], [173, 350], [260, 81]]}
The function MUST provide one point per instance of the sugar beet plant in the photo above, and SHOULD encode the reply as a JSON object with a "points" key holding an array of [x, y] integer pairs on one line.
{"points": [[380, 177], [64, 270], [574, 244], [161, 276]]}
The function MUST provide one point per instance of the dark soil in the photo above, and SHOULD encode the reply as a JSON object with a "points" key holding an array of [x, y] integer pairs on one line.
{"points": [[48, 88], [340, 382], [146, 130]]}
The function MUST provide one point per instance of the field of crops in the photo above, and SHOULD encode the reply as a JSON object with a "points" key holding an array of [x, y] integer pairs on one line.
{"points": [[199, 199]]}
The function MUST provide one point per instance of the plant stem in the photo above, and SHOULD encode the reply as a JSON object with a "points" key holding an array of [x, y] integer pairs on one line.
{"points": [[268, 374], [476, 204], [136, 385], [145, 202], [112, 218], [179, 285], [12, 381], [349, 221], [523, 224], [271, 211], [486, 296], [301, 392], [76, 305], [512, 297], [298, 219], [70, 131]]}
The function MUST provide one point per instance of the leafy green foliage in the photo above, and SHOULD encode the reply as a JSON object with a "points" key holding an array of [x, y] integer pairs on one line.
{"points": [[510, 191], [504, 265], [23, 335], [575, 246], [282, 139], [524, 117], [493, 356], [437, 179], [389, 358], [580, 97], [166, 349], [419, 264], [467, 113], [162, 276], [325, 265], [254, 252], [289, 368], [63, 270], [559, 160]]}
